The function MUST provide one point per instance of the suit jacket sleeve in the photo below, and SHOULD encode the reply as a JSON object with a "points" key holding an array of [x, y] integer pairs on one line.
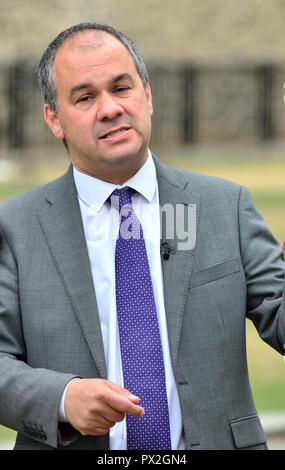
{"points": [[29, 397], [264, 271]]}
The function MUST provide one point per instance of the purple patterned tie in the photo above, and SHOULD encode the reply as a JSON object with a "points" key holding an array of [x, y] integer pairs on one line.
{"points": [[141, 350]]}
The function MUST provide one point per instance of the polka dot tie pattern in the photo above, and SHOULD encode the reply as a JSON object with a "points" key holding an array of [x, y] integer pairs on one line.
{"points": [[140, 342]]}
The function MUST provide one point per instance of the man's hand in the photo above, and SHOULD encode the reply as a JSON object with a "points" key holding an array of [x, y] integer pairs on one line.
{"points": [[93, 406]]}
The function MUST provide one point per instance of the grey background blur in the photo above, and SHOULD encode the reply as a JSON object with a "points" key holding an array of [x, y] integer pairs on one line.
{"points": [[216, 67]]}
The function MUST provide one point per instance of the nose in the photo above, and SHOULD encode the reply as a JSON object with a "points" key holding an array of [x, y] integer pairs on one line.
{"points": [[108, 107]]}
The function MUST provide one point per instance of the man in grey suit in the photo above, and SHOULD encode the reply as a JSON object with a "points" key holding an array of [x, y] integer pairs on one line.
{"points": [[61, 374]]}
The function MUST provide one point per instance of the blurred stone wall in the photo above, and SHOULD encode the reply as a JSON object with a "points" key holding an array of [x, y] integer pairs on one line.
{"points": [[208, 31], [223, 43]]}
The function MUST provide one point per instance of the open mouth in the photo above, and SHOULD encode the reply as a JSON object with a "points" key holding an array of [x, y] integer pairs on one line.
{"points": [[114, 132]]}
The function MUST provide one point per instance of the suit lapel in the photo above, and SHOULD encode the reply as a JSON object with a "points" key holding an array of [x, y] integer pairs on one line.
{"points": [[174, 190], [62, 226], [63, 230]]}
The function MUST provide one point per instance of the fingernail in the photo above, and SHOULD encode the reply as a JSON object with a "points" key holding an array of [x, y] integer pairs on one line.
{"points": [[134, 396]]}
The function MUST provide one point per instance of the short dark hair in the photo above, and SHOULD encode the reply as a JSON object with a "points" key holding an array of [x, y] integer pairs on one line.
{"points": [[45, 69]]}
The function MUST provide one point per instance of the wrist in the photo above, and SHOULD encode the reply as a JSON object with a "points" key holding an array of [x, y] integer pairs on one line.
{"points": [[62, 415]]}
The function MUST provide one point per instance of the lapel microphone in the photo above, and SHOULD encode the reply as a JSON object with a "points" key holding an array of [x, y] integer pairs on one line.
{"points": [[165, 249]]}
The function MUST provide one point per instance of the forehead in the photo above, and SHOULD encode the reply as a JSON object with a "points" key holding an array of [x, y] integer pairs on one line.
{"points": [[89, 40], [91, 49]]}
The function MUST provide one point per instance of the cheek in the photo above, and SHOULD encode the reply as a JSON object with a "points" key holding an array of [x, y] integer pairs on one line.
{"points": [[77, 125], [142, 112]]}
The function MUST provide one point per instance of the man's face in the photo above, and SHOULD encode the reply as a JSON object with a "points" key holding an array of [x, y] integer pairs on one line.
{"points": [[104, 112]]}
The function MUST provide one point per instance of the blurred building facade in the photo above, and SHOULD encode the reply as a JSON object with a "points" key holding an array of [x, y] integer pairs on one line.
{"points": [[217, 67]]}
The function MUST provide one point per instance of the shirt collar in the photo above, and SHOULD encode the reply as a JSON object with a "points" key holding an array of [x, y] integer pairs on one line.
{"points": [[95, 192]]}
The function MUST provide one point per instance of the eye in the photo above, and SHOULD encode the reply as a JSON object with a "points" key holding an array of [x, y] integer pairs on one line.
{"points": [[83, 99], [121, 89]]}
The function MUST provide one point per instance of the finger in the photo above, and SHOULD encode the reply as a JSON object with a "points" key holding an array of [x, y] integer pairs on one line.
{"points": [[128, 407], [123, 391], [122, 404], [133, 398], [105, 422], [98, 431], [111, 416]]}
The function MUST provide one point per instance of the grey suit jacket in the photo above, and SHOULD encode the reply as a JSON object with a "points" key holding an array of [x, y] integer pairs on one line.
{"points": [[50, 328]]}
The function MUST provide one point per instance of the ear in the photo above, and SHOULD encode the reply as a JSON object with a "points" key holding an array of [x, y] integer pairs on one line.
{"points": [[149, 98], [53, 122]]}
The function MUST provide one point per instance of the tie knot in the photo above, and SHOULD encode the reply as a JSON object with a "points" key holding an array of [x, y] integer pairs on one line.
{"points": [[124, 195]]}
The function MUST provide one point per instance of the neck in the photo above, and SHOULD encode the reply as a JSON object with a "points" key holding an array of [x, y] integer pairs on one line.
{"points": [[115, 174]]}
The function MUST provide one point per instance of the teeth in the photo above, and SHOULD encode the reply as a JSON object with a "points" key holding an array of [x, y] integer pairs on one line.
{"points": [[112, 134]]}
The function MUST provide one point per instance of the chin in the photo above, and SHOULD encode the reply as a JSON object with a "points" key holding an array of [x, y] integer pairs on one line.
{"points": [[127, 157]]}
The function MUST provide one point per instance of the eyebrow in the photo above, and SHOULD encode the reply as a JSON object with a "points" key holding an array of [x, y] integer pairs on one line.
{"points": [[85, 85]]}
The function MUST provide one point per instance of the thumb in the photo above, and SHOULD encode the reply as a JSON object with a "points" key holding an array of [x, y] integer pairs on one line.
{"points": [[123, 391]]}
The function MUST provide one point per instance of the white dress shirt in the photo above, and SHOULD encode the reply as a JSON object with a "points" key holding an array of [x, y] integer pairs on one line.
{"points": [[101, 226]]}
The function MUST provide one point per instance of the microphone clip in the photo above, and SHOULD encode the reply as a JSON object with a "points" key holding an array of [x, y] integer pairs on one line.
{"points": [[165, 249]]}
